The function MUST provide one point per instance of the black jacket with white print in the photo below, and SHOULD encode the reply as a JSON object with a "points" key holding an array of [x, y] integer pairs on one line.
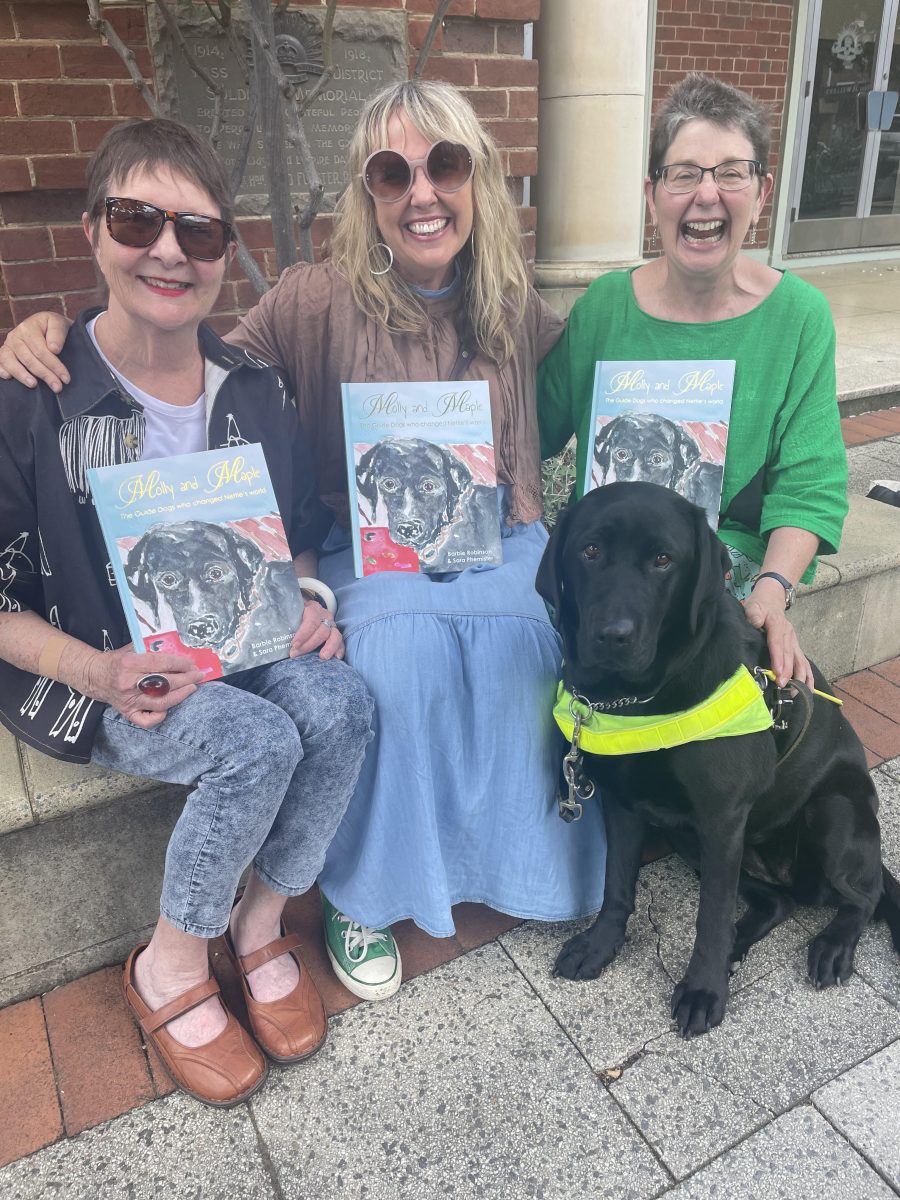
{"points": [[53, 559]]}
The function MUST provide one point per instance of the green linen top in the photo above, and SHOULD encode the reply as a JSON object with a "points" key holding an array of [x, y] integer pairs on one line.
{"points": [[785, 463]]}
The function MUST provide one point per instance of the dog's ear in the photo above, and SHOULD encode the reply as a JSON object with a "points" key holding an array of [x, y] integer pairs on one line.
{"points": [[367, 478], [602, 447], [247, 558], [457, 476], [686, 450], [548, 582], [711, 564], [139, 582]]}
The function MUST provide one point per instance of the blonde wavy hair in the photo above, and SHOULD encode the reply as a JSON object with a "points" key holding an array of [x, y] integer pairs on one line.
{"points": [[492, 265]]}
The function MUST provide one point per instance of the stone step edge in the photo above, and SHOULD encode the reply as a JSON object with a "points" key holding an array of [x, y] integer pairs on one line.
{"points": [[869, 400], [870, 546]]}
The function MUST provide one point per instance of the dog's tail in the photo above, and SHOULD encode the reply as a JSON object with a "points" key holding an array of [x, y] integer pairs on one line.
{"points": [[889, 906]]}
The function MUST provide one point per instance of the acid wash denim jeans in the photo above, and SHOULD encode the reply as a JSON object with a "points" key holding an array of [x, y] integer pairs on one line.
{"points": [[272, 755]]}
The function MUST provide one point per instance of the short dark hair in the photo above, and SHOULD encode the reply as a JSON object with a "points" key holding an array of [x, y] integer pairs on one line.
{"points": [[157, 142], [702, 96]]}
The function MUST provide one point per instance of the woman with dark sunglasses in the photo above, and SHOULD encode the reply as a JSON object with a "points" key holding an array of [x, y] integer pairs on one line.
{"points": [[272, 754], [426, 281], [784, 496]]}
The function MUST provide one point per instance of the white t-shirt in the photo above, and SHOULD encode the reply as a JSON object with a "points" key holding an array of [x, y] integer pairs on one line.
{"points": [[168, 428]]}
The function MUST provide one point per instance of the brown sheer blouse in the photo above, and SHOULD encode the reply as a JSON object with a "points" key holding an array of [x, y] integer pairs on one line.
{"points": [[309, 326]]}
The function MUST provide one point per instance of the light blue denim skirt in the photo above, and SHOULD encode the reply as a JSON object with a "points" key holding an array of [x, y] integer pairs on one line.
{"points": [[456, 800]]}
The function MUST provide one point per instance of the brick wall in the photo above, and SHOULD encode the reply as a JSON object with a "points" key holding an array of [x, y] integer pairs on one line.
{"points": [[743, 42], [61, 88]]}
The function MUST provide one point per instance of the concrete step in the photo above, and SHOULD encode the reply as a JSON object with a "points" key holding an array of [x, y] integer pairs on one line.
{"points": [[862, 399], [77, 892], [846, 618]]}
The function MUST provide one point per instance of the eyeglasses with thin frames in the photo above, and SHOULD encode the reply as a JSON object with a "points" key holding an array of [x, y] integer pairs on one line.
{"points": [[733, 175]]}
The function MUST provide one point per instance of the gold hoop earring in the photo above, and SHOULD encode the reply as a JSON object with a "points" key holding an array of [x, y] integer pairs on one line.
{"points": [[654, 237], [390, 254]]}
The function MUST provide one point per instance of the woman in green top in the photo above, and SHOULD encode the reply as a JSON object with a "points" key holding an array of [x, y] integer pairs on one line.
{"points": [[784, 492]]}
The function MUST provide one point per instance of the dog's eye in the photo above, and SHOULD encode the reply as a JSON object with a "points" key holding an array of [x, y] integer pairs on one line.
{"points": [[657, 458], [390, 484], [168, 580], [662, 560], [428, 486], [591, 551], [621, 455], [215, 574]]}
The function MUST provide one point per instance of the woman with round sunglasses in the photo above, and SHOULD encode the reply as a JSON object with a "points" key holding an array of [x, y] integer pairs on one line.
{"points": [[426, 281], [784, 496], [272, 754]]}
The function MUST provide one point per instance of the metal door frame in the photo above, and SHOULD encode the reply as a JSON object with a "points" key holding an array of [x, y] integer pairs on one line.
{"points": [[846, 233], [873, 139]]}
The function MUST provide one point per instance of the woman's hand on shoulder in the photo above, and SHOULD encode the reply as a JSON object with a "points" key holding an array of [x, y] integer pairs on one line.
{"points": [[112, 676], [30, 350], [764, 610], [317, 631]]}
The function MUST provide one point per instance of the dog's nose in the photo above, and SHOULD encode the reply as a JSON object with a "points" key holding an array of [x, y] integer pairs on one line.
{"points": [[615, 635], [410, 529]]}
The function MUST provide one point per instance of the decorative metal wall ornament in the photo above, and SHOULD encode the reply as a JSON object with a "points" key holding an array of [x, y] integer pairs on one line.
{"points": [[299, 56]]}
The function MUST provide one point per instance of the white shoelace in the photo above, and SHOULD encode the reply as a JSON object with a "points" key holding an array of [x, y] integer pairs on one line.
{"points": [[358, 938]]}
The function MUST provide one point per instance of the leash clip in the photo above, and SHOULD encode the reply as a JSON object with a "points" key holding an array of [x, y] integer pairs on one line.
{"points": [[580, 789], [781, 696]]}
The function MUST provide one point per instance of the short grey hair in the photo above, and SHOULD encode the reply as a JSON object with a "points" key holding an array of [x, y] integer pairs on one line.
{"points": [[702, 97], [149, 144]]}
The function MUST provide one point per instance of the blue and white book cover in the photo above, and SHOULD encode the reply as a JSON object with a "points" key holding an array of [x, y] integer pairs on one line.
{"points": [[200, 557], [423, 483], [663, 422]]}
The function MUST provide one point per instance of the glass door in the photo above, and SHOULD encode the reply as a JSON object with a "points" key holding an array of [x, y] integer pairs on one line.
{"points": [[845, 188]]}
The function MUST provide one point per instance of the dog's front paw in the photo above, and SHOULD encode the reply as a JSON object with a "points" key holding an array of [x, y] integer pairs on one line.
{"points": [[585, 955], [697, 1010], [830, 962]]}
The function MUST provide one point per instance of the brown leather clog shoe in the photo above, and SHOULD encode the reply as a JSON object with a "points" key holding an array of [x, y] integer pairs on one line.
{"points": [[222, 1072], [294, 1027]]}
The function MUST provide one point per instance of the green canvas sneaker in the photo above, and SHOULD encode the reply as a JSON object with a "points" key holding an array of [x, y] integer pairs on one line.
{"points": [[365, 960]]}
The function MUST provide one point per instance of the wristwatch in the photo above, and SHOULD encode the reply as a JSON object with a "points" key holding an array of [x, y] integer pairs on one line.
{"points": [[785, 583]]}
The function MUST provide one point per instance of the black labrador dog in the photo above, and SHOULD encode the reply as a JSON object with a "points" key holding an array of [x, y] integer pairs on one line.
{"points": [[635, 577]]}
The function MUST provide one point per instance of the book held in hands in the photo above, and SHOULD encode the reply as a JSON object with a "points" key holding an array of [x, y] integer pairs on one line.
{"points": [[200, 557], [663, 422], [423, 484]]}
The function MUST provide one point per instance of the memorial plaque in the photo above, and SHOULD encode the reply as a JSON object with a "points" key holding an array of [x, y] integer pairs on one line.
{"points": [[369, 51]]}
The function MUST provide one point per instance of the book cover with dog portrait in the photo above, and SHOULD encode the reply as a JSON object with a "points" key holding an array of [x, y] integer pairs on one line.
{"points": [[423, 485], [662, 422], [200, 557]]}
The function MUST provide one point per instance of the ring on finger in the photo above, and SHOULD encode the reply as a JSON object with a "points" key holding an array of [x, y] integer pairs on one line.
{"points": [[153, 685], [327, 623]]}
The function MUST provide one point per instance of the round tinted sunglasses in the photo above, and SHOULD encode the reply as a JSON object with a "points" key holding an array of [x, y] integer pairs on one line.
{"points": [[387, 175], [136, 224]]}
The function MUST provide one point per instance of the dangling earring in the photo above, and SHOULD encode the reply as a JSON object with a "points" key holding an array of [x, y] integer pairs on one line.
{"points": [[654, 237], [752, 238], [390, 253]]}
